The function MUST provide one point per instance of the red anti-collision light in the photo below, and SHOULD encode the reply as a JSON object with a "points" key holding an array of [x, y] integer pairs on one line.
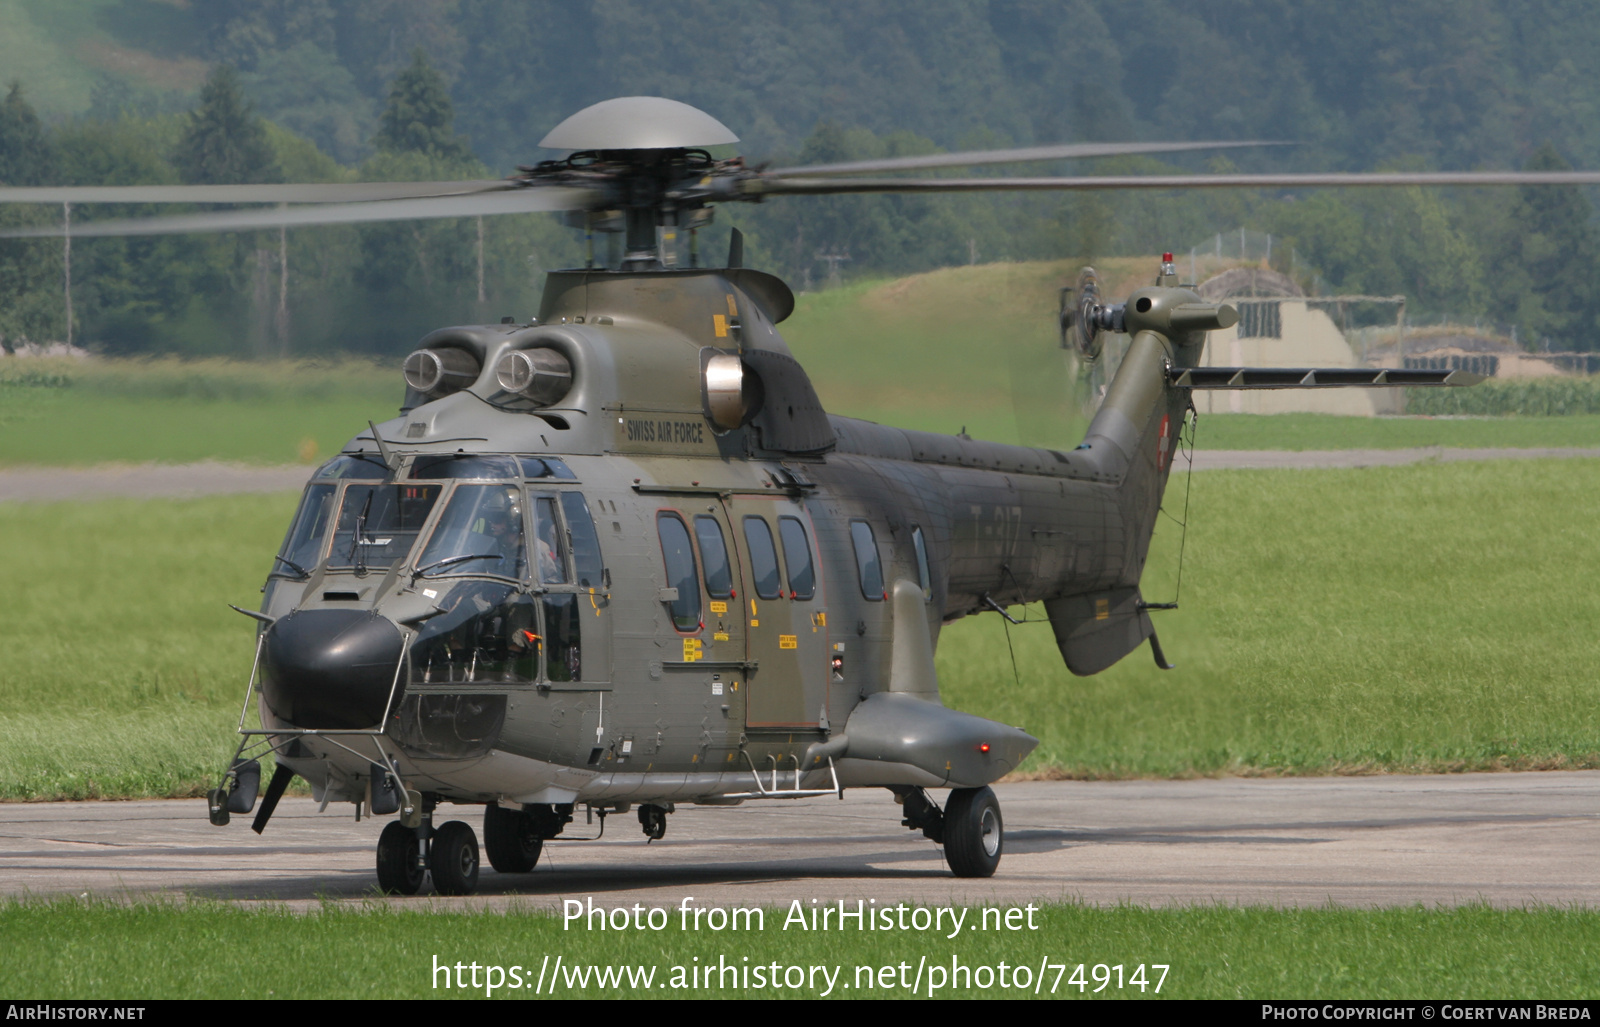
{"points": [[984, 747], [1166, 258]]}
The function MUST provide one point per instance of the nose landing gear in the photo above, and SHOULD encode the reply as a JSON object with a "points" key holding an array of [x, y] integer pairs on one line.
{"points": [[406, 854]]}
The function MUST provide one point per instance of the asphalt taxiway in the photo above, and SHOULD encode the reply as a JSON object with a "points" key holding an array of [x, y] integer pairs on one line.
{"points": [[1506, 839]]}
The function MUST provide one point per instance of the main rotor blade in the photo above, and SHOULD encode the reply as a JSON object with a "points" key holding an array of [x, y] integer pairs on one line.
{"points": [[519, 202], [815, 187], [304, 192], [972, 158]]}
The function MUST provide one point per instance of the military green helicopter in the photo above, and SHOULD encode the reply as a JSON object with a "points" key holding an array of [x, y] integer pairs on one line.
{"points": [[619, 557]]}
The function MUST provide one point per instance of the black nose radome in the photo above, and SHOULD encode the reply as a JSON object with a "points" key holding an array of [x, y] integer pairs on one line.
{"points": [[330, 668]]}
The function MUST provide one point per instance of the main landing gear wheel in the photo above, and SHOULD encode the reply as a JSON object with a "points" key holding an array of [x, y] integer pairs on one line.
{"points": [[972, 832], [453, 860], [511, 840], [399, 873]]}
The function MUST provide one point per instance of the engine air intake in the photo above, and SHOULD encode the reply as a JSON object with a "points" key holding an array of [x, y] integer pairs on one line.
{"points": [[541, 374], [439, 372]]}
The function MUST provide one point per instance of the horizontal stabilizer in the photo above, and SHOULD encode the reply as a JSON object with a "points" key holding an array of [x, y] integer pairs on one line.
{"points": [[1312, 377]]}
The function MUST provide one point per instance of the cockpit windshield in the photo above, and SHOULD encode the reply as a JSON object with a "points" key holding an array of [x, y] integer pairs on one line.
{"points": [[378, 524], [365, 466], [480, 532]]}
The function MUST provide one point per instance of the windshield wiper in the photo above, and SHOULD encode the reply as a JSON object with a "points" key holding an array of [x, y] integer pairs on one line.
{"points": [[358, 555], [293, 566], [422, 572]]}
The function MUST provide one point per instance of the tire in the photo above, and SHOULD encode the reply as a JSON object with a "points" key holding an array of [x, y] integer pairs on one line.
{"points": [[398, 872], [454, 859], [510, 840], [973, 832]]}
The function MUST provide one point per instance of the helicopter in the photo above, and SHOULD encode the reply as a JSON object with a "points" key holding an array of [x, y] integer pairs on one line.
{"points": [[619, 557]]}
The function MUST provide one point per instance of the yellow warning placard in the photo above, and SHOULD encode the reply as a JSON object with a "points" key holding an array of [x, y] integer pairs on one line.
{"points": [[691, 650], [788, 642], [718, 606]]}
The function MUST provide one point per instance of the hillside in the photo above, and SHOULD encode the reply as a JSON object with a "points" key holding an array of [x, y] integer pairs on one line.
{"points": [[972, 347]]}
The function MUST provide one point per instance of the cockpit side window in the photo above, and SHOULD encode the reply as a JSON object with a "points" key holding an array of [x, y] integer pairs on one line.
{"points": [[552, 552], [302, 547], [586, 557], [479, 533]]}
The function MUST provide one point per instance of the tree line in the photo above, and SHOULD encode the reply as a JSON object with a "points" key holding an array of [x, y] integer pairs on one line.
{"points": [[339, 90]]}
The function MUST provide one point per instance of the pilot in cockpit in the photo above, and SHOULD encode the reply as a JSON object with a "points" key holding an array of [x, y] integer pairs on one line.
{"points": [[502, 526]]}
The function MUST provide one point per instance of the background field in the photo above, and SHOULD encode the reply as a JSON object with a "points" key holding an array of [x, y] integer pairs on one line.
{"points": [[92, 950], [1434, 617], [966, 347]]}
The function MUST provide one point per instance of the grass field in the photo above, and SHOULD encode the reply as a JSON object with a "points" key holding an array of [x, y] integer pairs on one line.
{"points": [[102, 951], [1426, 618]]}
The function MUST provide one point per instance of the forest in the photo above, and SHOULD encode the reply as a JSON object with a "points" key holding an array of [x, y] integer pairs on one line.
{"points": [[162, 91]]}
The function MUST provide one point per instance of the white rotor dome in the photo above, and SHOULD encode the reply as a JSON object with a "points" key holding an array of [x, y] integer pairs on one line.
{"points": [[638, 123]]}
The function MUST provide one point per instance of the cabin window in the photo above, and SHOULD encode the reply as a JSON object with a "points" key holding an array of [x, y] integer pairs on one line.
{"points": [[379, 523], [923, 577], [797, 557], [480, 533], [552, 554], [679, 556], [586, 557], [763, 558], [302, 547], [714, 557], [867, 563]]}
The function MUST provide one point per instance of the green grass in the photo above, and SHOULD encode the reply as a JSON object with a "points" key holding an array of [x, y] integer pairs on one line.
{"points": [[1427, 618], [1328, 431], [56, 413], [93, 950], [123, 669]]}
